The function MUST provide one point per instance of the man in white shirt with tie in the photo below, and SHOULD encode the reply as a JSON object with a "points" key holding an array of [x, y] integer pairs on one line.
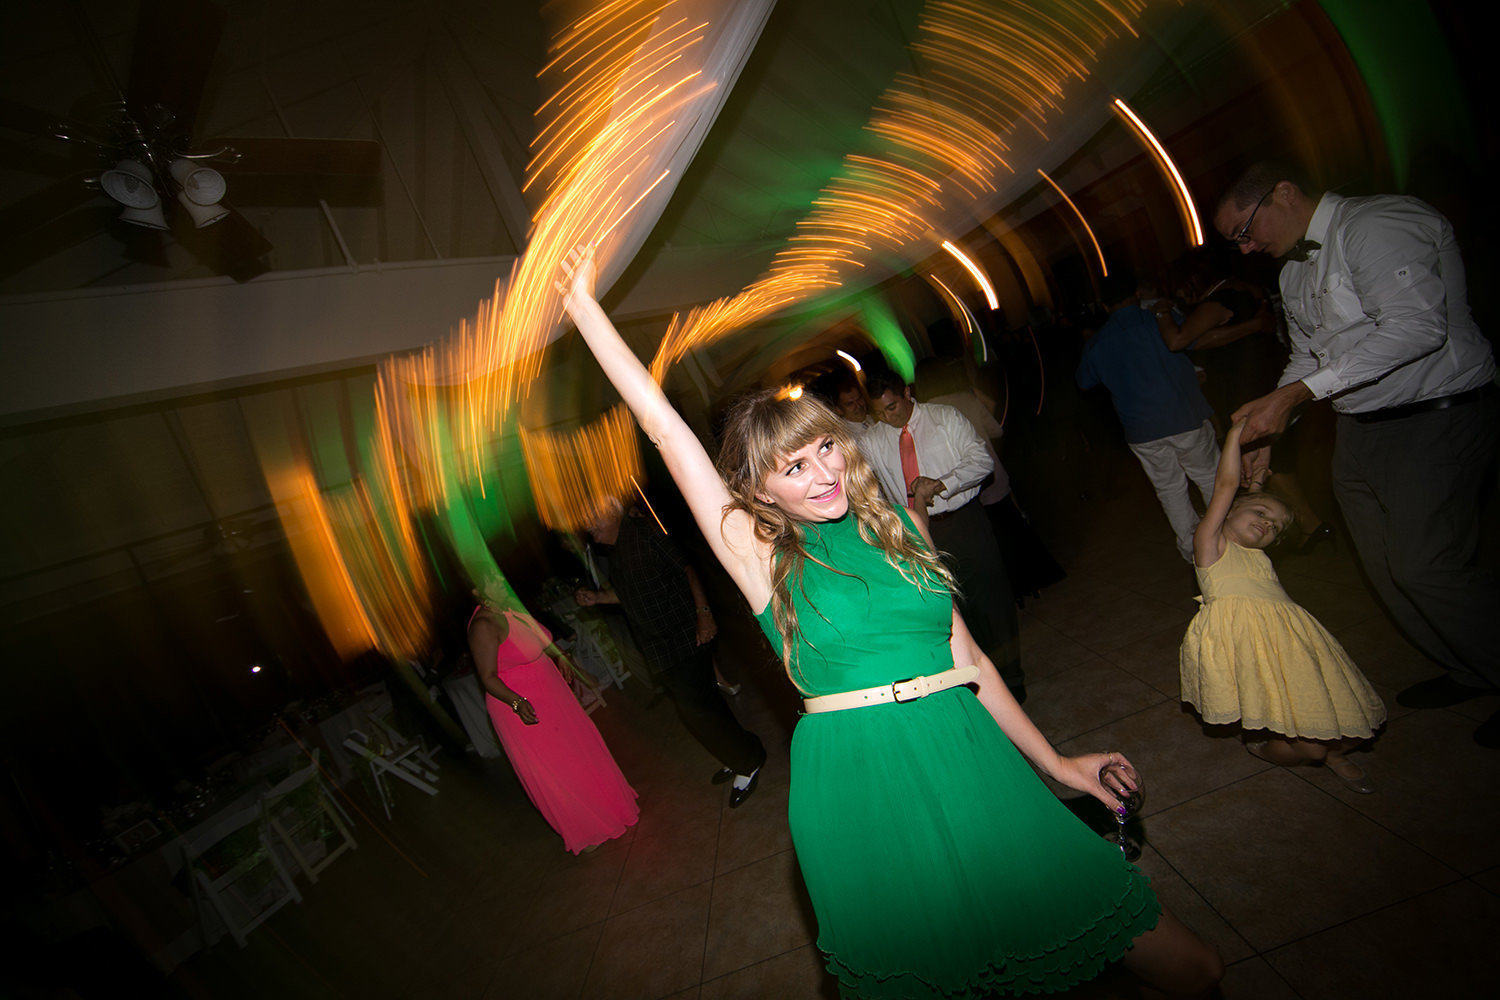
{"points": [[1378, 316], [930, 457]]}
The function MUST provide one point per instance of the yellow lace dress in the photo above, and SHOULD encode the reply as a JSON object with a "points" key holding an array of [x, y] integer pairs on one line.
{"points": [[1252, 655]]}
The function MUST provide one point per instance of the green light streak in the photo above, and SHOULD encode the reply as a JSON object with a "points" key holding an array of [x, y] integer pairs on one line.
{"points": [[885, 331], [1408, 70]]}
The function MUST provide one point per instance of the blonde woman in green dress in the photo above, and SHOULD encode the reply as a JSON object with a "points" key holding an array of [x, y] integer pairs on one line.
{"points": [[938, 864]]}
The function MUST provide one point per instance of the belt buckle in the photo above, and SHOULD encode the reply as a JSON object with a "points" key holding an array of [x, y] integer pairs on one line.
{"points": [[922, 691]]}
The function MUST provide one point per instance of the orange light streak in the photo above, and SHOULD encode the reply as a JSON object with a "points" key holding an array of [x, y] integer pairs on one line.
{"points": [[645, 500], [974, 269], [571, 473], [989, 66], [975, 330], [1163, 159], [622, 77], [1041, 371], [305, 521], [1103, 267], [621, 218]]}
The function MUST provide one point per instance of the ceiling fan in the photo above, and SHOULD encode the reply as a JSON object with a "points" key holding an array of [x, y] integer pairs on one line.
{"points": [[162, 180]]}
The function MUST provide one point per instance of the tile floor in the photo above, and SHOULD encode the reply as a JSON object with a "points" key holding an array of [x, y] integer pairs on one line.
{"points": [[1308, 890]]}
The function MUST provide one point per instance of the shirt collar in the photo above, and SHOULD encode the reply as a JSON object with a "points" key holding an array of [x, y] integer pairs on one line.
{"points": [[916, 416], [1322, 217]]}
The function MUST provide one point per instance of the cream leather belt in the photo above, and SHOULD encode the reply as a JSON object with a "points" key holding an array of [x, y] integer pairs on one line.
{"points": [[917, 687]]}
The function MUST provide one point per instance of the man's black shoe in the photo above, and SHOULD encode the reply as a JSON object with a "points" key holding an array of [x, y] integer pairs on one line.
{"points": [[738, 795]]}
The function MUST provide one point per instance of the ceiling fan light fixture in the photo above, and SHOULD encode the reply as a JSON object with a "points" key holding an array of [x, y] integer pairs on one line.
{"points": [[200, 185], [202, 215], [150, 218], [130, 183]]}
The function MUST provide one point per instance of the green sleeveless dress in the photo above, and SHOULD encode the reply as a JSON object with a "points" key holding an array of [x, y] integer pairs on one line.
{"points": [[938, 863]]}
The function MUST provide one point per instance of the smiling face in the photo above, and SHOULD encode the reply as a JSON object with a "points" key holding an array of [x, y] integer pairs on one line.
{"points": [[895, 409], [808, 484], [1255, 521]]}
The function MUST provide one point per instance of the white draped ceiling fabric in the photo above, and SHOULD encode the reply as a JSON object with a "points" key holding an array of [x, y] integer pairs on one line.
{"points": [[637, 88], [634, 89]]}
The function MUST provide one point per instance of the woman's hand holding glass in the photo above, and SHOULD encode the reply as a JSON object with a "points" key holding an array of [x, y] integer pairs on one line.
{"points": [[1086, 773], [1120, 779]]}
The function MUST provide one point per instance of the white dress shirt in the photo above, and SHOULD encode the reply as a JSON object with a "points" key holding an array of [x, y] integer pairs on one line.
{"points": [[948, 448], [980, 415], [1379, 316]]}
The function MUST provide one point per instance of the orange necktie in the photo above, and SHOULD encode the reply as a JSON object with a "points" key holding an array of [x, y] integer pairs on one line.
{"points": [[908, 463]]}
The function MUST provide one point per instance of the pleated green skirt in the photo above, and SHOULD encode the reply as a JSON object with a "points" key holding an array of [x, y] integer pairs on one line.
{"points": [[940, 865]]}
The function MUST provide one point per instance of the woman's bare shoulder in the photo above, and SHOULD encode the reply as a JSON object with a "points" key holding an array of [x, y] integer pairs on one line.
{"points": [[489, 623]]}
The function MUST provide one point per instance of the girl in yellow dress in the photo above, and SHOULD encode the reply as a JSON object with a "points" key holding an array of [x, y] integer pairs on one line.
{"points": [[1254, 656]]}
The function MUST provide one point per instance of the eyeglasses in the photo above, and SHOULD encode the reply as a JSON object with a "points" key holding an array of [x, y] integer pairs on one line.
{"points": [[1243, 236]]}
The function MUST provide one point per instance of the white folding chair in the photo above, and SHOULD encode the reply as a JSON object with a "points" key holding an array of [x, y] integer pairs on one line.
{"points": [[588, 691], [306, 820], [387, 761], [383, 727], [234, 874]]}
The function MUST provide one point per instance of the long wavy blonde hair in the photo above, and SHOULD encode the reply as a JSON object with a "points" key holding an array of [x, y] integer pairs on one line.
{"points": [[763, 428]]}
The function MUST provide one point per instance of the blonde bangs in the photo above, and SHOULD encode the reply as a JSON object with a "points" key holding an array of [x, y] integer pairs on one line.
{"points": [[760, 431]]}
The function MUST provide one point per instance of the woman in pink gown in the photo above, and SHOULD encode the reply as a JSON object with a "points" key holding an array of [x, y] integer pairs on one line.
{"points": [[557, 753]]}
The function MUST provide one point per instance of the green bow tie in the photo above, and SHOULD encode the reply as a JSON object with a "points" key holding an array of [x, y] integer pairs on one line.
{"points": [[1302, 249]]}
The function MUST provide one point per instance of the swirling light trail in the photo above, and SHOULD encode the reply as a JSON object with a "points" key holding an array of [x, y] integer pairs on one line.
{"points": [[626, 77], [1103, 267], [1168, 168], [980, 278]]}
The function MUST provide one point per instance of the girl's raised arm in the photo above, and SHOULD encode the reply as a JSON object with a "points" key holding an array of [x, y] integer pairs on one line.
{"points": [[732, 538], [1208, 538]]}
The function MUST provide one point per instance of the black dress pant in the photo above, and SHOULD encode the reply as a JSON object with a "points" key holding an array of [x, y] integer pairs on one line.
{"points": [[1410, 491], [688, 679], [967, 542]]}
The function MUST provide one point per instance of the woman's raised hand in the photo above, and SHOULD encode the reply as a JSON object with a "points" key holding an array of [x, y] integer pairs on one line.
{"points": [[579, 275]]}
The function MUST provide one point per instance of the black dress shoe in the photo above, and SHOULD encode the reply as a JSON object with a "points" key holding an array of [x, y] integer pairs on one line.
{"points": [[1439, 692], [722, 775], [738, 795]]}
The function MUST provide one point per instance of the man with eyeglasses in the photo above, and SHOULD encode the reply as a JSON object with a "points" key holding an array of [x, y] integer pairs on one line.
{"points": [[1378, 317]]}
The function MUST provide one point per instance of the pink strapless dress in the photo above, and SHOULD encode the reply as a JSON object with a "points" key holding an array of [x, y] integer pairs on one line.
{"points": [[562, 761]]}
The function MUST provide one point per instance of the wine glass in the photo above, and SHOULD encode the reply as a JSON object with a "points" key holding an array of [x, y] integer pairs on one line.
{"points": [[1122, 781]]}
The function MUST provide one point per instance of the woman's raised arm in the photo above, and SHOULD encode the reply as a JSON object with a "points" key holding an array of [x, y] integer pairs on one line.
{"points": [[732, 539]]}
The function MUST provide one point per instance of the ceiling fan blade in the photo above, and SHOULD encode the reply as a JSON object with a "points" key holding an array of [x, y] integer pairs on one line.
{"points": [[299, 191], [326, 157], [30, 121], [41, 157], [18, 221], [61, 233], [231, 246], [175, 43]]}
